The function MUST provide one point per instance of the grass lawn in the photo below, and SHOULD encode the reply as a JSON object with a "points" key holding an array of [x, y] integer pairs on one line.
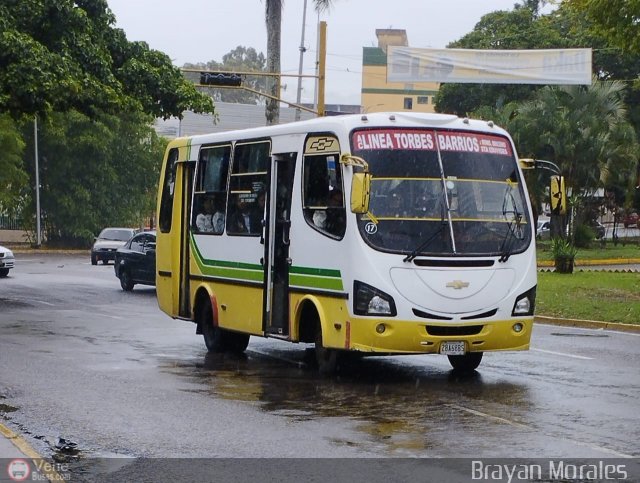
{"points": [[603, 296]]}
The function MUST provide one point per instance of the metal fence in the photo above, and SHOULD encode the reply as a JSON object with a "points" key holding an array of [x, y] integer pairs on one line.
{"points": [[10, 223]]}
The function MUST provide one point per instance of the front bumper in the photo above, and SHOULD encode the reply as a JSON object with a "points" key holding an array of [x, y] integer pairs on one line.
{"points": [[104, 254], [410, 337]]}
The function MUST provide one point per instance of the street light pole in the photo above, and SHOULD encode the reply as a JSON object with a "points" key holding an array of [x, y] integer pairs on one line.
{"points": [[302, 51], [35, 137]]}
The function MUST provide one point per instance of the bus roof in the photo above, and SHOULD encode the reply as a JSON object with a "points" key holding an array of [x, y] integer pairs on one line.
{"points": [[349, 122]]}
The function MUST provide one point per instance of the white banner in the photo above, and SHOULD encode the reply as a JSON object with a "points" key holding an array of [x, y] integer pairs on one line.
{"points": [[551, 66]]}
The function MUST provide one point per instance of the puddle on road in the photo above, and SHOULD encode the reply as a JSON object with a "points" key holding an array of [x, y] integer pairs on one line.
{"points": [[8, 303], [5, 408], [406, 409]]}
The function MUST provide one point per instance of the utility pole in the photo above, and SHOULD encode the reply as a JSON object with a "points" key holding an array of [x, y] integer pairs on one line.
{"points": [[300, 65], [322, 58]]}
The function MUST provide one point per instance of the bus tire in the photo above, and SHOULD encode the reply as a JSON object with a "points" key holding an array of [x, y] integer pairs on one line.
{"points": [[211, 333], [235, 341], [217, 339], [465, 363], [326, 359]]}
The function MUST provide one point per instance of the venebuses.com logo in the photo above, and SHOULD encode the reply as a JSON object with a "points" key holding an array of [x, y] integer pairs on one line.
{"points": [[18, 470]]}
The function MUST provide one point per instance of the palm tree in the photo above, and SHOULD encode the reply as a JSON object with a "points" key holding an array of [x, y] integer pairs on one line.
{"points": [[582, 129], [273, 15]]}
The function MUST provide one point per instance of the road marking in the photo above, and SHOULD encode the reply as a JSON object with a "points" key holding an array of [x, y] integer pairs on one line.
{"points": [[564, 354], [489, 416], [44, 303], [524, 426], [111, 316], [592, 329], [601, 448]]}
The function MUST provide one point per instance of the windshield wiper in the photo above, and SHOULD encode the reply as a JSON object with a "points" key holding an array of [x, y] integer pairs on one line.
{"points": [[423, 245]]}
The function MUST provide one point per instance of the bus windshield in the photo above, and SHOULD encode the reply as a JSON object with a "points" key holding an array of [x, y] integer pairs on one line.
{"points": [[442, 193]]}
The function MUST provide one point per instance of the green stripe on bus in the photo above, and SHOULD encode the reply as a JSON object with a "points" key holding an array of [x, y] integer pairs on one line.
{"points": [[311, 277], [322, 272], [315, 282], [232, 273]]}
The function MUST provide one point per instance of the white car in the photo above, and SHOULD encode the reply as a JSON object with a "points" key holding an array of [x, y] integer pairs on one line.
{"points": [[7, 261]]}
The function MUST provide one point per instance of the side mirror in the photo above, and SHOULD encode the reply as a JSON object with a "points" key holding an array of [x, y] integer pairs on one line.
{"points": [[360, 191], [527, 163]]}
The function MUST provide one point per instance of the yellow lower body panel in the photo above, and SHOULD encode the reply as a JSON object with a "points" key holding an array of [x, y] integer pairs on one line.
{"points": [[411, 337]]}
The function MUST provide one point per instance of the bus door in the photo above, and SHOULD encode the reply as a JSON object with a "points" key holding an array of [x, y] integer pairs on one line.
{"points": [[277, 260], [184, 302]]}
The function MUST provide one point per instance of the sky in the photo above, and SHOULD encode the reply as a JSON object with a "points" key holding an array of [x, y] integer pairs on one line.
{"points": [[203, 30]]}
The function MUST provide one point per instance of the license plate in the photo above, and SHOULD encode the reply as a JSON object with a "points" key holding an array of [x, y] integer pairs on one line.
{"points": [[452, 348]]}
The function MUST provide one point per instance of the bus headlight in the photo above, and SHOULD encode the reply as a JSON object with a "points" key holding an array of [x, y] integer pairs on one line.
{"points": [[369, 300], [525, 303]]}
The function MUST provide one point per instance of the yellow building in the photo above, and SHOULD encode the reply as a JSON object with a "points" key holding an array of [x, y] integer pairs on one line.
{"points": [[380, 95]]}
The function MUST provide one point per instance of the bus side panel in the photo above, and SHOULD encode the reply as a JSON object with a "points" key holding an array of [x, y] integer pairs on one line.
{"points": [[238, 291]]}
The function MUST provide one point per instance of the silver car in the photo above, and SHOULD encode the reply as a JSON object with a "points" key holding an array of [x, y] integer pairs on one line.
{"points": [[108, 241], [543, 231], [7, 261]]}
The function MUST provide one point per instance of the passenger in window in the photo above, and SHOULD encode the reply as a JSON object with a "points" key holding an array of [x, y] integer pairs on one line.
{"points": [[236, 222], [204, 220], [256, 213], [217, 220], [331, 219]]}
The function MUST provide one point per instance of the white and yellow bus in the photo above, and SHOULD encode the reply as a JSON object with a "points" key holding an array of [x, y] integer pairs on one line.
{"points": [[385, 233]]}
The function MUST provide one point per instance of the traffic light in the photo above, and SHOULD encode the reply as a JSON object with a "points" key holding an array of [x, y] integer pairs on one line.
{"points": [[558, 195], [225, 79]]}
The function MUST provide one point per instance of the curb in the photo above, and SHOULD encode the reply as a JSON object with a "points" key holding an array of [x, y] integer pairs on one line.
{"points": [[46, 471], [587, 324], [19, 442]]}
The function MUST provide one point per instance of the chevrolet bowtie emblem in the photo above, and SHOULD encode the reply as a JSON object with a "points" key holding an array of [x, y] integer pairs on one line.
{"points": [[457, 284]]}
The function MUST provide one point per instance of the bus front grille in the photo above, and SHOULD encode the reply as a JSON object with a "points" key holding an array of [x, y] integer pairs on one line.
{"points": [[441, 331]]}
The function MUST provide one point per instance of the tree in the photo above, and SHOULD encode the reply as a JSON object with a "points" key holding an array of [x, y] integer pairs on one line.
{"points": [[96, 173], [616, 20], [584, 130], [12, 177], [273, 15], [240, 59], [62, 55]]}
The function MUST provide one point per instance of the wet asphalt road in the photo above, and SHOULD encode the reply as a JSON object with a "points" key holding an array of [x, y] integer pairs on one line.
{"points": [[83, 360]]}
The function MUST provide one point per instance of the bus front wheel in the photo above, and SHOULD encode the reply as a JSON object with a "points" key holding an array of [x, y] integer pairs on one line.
{"points": [[217, 339], [467, 362], [326, 359]]}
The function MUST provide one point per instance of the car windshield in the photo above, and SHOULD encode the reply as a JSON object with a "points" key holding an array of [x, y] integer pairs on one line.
{"points": [[460, 191], [116, 234]]}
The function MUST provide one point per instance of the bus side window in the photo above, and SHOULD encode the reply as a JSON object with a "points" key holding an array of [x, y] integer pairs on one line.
{"points": [[323, 202], [248, 182], [210, 191], [166, 204]]}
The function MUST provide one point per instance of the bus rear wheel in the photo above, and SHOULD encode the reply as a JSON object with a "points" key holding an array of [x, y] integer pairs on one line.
{"points": [[217, 339], [465, 363]]}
